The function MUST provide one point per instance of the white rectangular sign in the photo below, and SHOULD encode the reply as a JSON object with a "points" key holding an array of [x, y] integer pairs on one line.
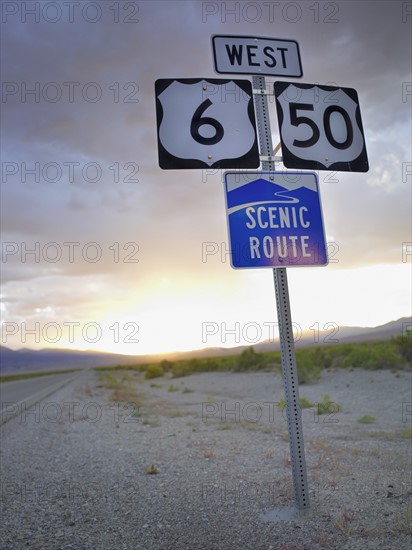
{"points": [[258, 56]]}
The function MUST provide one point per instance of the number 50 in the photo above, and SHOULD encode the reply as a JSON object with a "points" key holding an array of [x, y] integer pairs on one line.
{"points": [[298, 120]]}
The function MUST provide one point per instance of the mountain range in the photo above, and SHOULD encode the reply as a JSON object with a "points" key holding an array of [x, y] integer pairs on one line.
{"points": [[264, 190], [27, 360]]}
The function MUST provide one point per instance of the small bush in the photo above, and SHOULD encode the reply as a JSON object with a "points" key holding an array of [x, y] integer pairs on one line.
{"points": [[366, 419], [309, 365], [166, 365], [250, 360], [403, 344], [326, 406], [207, 364], [180, 368], [372, 356], [304, 403], [151, 470], [154, 371]]}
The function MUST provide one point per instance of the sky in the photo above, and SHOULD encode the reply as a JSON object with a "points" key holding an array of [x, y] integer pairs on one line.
{"points": [[102, 249]]}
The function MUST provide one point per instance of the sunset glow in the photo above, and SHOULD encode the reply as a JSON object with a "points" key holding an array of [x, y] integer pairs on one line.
{"points": [[104, 250]]}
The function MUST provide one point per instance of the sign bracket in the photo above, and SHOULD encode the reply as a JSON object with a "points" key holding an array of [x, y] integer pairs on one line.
{"points": [[262, 92], [270, 159], [290, 377]]}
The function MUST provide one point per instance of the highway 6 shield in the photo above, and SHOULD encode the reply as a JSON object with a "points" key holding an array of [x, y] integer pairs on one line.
{"points": [[206, 123]]}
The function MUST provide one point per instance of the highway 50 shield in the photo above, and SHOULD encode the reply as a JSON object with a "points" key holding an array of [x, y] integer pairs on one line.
{"points": [[320, 127]]}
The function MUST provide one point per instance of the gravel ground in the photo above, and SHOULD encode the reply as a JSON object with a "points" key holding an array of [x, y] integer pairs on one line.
{"points": [[202, 466]]}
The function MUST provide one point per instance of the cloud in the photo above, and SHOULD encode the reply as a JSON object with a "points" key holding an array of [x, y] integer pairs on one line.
{"points": [[82, 167]]}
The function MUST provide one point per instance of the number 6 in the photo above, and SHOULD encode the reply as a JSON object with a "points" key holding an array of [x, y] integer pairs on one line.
{"points": [[198, 121]]}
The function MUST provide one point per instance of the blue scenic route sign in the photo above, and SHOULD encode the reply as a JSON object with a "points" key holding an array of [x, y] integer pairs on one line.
{"points": [[274, 219]]}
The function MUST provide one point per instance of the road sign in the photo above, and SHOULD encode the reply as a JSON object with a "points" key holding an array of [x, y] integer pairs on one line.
{"points": [[257, 56], [320, 127], [274, 219], [206, 123]]}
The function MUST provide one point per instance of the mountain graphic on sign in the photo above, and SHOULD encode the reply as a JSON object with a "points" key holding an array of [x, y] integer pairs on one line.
{"points": [[262, 190]]}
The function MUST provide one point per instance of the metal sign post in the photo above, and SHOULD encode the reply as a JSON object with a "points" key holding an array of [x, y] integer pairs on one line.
{"points": [[220, 133], [290, 377]]}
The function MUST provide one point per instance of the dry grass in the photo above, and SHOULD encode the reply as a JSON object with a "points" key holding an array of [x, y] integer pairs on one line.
{"points": [[224, 426], [321, 540], [152, 422], [151, 470], [366, 419], [122, 388], [401, 525], [323, 456], [345, 521], [209, 453]]}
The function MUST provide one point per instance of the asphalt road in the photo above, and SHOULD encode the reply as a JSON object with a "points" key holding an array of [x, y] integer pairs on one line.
{"points": [[20, 395]]}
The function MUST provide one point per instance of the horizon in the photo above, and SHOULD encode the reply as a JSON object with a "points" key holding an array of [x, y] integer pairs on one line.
{"points": [[102, 248], [314, 332]]}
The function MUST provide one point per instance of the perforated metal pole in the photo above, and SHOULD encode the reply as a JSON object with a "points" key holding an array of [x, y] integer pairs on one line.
{"points": [[291, 385], [287, 346]]}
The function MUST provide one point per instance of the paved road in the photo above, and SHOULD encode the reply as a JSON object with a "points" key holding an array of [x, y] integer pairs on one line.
{"points": [[24, 393]]}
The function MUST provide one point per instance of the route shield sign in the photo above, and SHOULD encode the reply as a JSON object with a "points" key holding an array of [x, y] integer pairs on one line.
{"points": [[320, 127], [274, 219], [206, 123]]}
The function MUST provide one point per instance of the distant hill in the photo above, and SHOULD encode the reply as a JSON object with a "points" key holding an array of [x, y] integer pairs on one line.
{"points": [[342, 335], [26, 360], [382, 332]]}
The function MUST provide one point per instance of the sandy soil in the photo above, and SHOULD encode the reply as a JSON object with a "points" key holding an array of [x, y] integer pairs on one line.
{"points": [[201, 462]]}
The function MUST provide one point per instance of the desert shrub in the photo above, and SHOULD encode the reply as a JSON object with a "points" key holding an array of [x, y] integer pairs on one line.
{"points": [[309, 365], [366, 419], [326, 406], [372, 356], [304, 403], [154, 371], [191, 366], [138, 368], [403, 345], [206, 364], [250, 360], [180, 368], [166, 365]]}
